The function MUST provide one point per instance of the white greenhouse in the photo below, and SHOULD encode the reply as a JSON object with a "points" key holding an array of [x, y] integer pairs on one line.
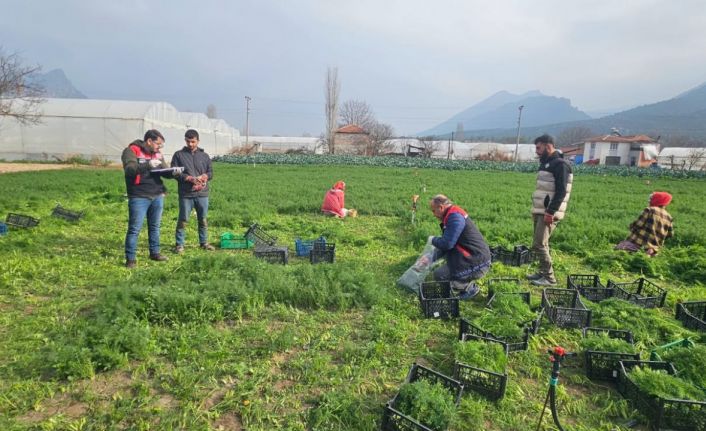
{"points": [[101, 129]]}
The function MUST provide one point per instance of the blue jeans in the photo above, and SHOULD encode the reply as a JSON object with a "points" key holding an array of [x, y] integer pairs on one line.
{"points": [[185, 207], [138, 208]]}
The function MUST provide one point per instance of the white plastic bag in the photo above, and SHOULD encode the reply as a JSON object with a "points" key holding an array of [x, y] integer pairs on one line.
{"points": [[413, 278]]}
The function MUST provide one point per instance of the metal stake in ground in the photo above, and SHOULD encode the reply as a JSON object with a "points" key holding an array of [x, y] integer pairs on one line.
{"points": [[415, 198]]}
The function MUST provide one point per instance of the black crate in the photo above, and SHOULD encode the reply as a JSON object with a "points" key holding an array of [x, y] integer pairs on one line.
{"points": [[589, 286], [272, 254], [394, 420], [604, 365], [66, 214], [259, 236], [438, 300], [640, 292], [488, 383], [322, 252], [491, 282], [514, 344], [518, 256], [662, 413], [19, 220], [565, 309], [692, 315]]}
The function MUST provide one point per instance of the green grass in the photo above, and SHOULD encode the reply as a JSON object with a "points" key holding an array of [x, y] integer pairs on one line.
{"points": [[209, 340]]}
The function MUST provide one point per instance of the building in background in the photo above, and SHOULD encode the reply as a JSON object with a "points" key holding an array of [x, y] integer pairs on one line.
{"points": [[615, 150]]}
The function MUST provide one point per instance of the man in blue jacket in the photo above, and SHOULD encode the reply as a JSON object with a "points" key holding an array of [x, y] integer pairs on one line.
{"points": [[193, 189], [461, 243]]}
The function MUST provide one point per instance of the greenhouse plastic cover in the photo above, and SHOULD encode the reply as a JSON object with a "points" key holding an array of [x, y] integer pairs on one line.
{"points": [[103, 128]]}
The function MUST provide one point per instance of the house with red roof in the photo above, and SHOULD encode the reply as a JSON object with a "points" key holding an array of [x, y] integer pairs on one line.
{"points": [[351, 139], [615, 150]]}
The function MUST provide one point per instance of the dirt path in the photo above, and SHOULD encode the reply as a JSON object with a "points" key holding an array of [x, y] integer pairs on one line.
{"points": [[22, 167]]}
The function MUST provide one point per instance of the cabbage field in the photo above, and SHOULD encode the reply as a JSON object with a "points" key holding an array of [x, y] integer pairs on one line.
{"points": [[222, 340]]}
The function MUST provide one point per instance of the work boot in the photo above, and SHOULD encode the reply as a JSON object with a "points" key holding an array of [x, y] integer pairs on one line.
{"points": [[130, 264], [178, 249], [158, 257], [207, 247], [469, 293], [544, 282], [535, 276]]}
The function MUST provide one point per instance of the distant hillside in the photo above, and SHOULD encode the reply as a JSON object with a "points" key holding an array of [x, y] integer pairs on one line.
{"points": [[56, 84], [683, 115], [500, 111]]}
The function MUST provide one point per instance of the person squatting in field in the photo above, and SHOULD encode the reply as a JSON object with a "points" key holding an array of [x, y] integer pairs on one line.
{"points": [[462, 245], [652, 227], [334, 202], [145, 192], [193, 189], [549, 202]]}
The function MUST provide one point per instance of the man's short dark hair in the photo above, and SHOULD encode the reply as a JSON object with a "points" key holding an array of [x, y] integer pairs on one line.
{"points": [[191, 133], [544, 139], [153, 134]]}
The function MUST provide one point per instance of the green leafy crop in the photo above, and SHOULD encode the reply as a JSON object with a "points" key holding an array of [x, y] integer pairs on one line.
{"points": [[603, 343], [431, 404], [481, 354], [661, 384]]}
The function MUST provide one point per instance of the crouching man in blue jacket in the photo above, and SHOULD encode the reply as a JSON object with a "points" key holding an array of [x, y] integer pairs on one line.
{"points": [[462, 245]]}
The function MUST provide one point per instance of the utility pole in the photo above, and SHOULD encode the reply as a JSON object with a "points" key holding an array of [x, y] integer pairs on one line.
{"points": [[450, 149], [247, 119], [519, 121]]}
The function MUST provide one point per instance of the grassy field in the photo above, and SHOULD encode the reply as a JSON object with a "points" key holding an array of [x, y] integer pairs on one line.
{"points": [[221, 340]]}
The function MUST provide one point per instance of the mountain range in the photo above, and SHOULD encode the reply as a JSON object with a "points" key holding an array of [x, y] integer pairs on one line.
{"points": [[495, 117], [56, 84]]}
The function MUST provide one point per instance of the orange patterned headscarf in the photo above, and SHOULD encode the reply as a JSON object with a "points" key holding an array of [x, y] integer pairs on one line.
{"points": [[340, 185]]}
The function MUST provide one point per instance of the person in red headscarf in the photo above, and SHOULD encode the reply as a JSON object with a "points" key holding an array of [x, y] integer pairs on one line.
{"points": [[651, 228], [334, 201]]}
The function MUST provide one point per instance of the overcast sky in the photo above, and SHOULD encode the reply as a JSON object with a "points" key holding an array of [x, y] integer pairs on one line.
{"points": [[415, 62]]}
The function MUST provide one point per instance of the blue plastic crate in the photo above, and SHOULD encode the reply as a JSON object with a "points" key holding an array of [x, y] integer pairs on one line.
{"points": [[3, 229], [303, 246]]}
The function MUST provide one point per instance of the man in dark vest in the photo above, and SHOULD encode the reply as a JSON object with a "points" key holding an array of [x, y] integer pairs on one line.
{"points": [[193, 189], [549, 202], [144, 168], [462, 245]]}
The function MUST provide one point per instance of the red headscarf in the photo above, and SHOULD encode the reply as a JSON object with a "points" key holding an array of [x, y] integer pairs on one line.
{"points": [[660, 199], [340, 185]]}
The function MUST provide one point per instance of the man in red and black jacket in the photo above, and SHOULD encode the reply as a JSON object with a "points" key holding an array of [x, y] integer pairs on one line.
{"points": [[466, 252], [144, 168]]}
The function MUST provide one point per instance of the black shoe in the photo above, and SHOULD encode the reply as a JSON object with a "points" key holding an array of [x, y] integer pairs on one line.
{"points": [[158, 257], [130, 264]]}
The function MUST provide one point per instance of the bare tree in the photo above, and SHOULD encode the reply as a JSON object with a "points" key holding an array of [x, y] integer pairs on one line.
{"points": [[380, 135], [573, 135], [333, 89], [428, 146], [696, 158], [19, 98], [211, 111], [356, 112], [459, 132]]}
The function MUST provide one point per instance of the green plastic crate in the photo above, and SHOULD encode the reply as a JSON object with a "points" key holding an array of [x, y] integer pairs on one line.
{"points": [[233, 241]]}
